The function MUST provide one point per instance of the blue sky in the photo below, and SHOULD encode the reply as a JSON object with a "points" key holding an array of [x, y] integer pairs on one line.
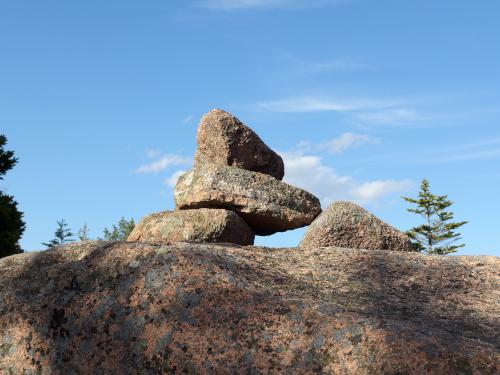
{"points": [[100, 101]]}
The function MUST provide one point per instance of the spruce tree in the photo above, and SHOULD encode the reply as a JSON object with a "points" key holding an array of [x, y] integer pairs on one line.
{"points": [[437, 236], [83, 233], [62, 235], [120, 231], [12, 225]]}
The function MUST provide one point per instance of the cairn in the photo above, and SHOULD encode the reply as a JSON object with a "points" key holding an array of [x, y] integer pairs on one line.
{"points": [[233, 192]]}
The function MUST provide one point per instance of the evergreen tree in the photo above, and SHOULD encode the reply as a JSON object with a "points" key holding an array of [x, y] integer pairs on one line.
{"points": [[11, 224], [7, 159], [438, 233], [83, 233], [62, 235], [120, 231]]}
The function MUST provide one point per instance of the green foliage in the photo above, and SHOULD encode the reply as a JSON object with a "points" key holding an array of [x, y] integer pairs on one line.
{"points": [[120, 231], [62, 235], [83, 233], [7, 159], [11, 224], [437, 235]]}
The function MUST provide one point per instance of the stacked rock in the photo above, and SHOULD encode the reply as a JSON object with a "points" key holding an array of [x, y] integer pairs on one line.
{"points": [[233, 192], [202, 225]]}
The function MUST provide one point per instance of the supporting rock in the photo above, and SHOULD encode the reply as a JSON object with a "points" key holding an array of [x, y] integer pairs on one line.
{"points": [[202, 225]]}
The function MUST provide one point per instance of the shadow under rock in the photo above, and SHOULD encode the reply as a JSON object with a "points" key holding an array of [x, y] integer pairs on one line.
{"points": [[431, 291]]}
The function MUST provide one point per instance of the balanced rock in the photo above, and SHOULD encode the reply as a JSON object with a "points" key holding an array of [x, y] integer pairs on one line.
{"points": [[203, 225], [345, 224], [138, 308], [225, 140], [267, 204]]}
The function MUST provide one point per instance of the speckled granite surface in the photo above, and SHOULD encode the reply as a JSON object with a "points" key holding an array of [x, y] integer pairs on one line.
{"points": [[136, 308]]}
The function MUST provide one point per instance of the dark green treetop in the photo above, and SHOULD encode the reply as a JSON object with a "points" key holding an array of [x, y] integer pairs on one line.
{"points": [[7, 159], [437, 236], [62, 235], [12, 225]]}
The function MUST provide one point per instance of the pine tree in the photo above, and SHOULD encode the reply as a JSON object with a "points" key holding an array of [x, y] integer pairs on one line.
{"points": [[83, 233], [12, 225], [120, 231], [62, 235], [437, 236], [7, 159]]}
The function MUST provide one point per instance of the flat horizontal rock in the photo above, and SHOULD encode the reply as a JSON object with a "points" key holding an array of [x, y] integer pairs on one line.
{"points": [[224, 140], [345, 224], [202, 225], [267, 204], [139, 308]]}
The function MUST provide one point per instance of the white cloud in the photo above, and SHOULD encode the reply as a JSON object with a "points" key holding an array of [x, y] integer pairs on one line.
{"points": [[172, 180], [374, 190], [163, 163], [153, 153], [362, 111], [229, 5], [388, 116], [309, 173], [346, 141], [318, 104]]}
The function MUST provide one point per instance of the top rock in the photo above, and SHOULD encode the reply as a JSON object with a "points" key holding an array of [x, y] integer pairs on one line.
{"points": [[225, 140]]}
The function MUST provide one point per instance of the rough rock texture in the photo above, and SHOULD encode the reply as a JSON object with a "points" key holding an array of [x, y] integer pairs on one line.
{"points": [[346, 224], [266, 204], [203, 225], [225, 140], [138, 308]]}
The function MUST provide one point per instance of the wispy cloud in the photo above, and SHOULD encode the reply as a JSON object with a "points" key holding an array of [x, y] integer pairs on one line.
{"points": [[153, 153], [317, 67], [188, 119], [163, 162], [309, 172], [339, 64], [491, 153], [346, 141], [363, 111], [388, 116], [231, 5], [318, 104], [478, 150], [171, 181], [482, 144]]}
